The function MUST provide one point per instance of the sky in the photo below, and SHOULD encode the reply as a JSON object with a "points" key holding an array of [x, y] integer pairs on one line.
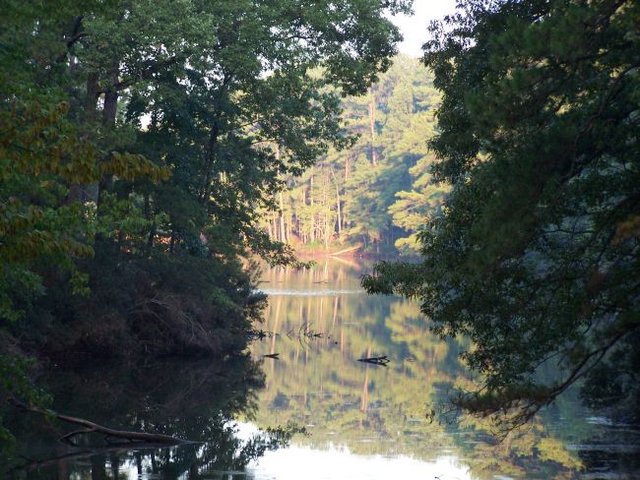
{"points": [[414, 29]]}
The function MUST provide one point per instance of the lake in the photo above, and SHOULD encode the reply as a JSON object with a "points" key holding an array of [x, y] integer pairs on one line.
{"points": [[300, 404]]}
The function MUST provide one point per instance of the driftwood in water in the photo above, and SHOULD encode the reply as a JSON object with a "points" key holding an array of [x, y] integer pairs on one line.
{"points": [[262, 334], [383, 360], [91, 427]]}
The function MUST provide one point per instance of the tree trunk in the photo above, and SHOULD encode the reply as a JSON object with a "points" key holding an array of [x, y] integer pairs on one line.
{"points": [[364, 401], [347, 168], [338, 206], [269, 229], [115, 466], [79, 192], [274, 221], [372, 127], [109, 113], [313, 215], [98, 468], [283, 233], [149, 216], [210, 154], [91, 427], [111, 98], [93, 90]]}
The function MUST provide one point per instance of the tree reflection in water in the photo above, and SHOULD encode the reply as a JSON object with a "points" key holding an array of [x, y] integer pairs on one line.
{"points": [[357, 413], [194, 400], [404, 410]]}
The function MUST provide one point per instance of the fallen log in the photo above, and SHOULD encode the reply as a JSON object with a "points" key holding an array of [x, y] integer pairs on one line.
{"points": [[92, 427]]}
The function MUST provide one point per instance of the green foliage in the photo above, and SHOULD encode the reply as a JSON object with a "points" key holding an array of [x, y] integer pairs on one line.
{"points": [[320, 324], [138, 143], [363, 192], [535, 254], [231, 104], [411, 208], [15, 382], [39, 157]]}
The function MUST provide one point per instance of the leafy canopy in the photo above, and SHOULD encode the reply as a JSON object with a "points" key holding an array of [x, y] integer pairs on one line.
{"points": [[138, 140], [535, 256]]}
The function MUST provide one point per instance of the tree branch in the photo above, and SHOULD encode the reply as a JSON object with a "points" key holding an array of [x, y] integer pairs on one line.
{"points": [[91, 427]]}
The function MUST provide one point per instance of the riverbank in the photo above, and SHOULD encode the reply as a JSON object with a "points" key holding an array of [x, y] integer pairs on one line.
{"points": [[356, 251]]}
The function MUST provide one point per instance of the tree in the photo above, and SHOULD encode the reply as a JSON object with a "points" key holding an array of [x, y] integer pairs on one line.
{"points": [[408, 136], [412, 207], [232, 107], [536, 254], [346, 195], [229, 93], [118, 237]]}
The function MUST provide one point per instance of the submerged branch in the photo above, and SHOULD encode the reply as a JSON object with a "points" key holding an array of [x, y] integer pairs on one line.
{"points": [[91, 427], [383, 360]]}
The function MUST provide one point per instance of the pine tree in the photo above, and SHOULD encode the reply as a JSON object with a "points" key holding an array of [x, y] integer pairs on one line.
{"points": [[535, 256]]}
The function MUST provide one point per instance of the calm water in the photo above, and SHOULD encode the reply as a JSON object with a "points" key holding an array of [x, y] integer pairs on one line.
{"points": [[375, 422], [360, 421]]}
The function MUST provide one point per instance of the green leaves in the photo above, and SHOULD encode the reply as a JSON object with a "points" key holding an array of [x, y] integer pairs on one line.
{"points": [[538, 137], [350, 195], [38, 140], [139, 142], [41, 158]]}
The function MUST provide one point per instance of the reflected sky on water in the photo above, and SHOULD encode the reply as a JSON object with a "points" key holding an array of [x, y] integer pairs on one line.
{"points": [[334, 463], [337, 461], [376, 422], [359, 420]]}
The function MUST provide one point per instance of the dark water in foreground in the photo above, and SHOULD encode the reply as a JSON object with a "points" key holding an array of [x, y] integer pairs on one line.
{"points": [[361, 421]]}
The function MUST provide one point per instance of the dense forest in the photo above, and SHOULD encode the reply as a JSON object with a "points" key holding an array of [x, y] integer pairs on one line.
{"points": [[139, 142], [535, 255], [152, 150], [375, 192]]}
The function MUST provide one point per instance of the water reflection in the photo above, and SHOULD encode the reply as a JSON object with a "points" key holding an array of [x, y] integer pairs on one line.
{"points": [[365, 421], [190, 400], [339, 463], [374, 417]]}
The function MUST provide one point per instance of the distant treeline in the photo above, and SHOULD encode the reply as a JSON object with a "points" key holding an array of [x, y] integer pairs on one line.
{"points": [[376, 191]]}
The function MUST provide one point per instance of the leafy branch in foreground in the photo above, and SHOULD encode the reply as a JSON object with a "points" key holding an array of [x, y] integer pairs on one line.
{"points": [[536, 255]]}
